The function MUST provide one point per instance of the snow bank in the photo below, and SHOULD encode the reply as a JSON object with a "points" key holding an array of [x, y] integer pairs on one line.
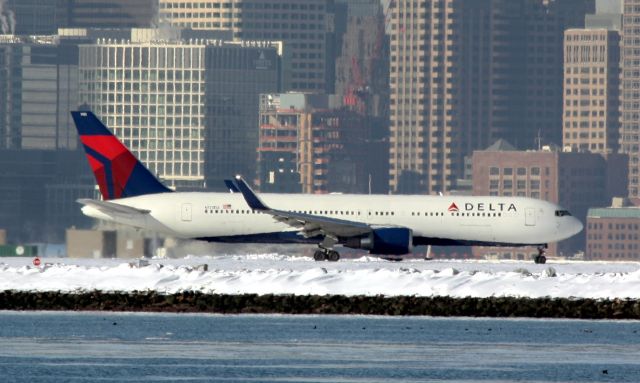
{"points": [[281, 274]]}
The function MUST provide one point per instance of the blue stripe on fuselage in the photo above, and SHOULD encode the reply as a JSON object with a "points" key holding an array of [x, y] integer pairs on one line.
{"points": [[277, 237], [294, 237]]}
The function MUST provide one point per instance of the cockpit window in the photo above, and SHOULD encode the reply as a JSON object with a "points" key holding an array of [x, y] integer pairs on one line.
{"points": [[562, 213]]}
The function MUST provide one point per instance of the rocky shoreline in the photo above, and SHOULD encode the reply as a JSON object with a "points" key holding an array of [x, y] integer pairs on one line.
{"points": [[197, 302]]}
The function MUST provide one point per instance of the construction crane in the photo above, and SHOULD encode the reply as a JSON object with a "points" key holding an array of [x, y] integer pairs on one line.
{"points": [[358, 90]]}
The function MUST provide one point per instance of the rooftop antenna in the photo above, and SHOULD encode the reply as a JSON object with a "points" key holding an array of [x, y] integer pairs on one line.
{"points": [[539, 140]]}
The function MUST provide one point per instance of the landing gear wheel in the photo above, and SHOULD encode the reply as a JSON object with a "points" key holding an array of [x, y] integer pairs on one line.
{"points": [[333, 256], [540, 259], [319, 255]]}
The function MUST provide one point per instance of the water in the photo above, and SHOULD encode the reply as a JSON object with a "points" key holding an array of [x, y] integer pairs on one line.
{"points": [[125, 347]]}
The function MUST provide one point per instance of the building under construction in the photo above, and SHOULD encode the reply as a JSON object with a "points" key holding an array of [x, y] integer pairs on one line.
{"points": [[310, 144]]}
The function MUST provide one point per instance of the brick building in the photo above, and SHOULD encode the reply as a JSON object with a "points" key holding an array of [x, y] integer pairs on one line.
{"points": [[576, 181], [332, 148], [613, 233]]}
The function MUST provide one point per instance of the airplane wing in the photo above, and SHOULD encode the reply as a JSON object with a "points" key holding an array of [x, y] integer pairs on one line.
{"points": [[310, 225], [111, 208]]}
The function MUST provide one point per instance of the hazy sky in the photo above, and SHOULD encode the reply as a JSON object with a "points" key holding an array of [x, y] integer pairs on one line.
{"points": [[608, 6]]}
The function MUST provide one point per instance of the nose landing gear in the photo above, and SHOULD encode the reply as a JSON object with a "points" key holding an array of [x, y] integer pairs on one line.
{"points": [[540, 258]]}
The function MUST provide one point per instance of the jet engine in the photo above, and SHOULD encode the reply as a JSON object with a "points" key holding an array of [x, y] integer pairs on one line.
{"points": [[385, 240]]}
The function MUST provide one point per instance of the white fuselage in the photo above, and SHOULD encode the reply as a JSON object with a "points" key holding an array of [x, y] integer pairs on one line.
{"points": [[433, 219]]}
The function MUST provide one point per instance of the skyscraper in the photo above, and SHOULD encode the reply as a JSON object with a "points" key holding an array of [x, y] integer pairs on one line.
{"points": [[187, 108], [108, 13], [439, 84], [236, 75], [44, 17], [630, 92], [38, 86], [545, 22], [591, 90], [151, 94], [465, 73], [306, 27], [362, 57]]}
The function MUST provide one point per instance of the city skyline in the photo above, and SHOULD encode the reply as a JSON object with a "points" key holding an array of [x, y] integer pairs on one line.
{"points": [[433, 81]]}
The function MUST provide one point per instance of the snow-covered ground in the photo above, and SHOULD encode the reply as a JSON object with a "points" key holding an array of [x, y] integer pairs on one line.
{"points": [[281, 274]]}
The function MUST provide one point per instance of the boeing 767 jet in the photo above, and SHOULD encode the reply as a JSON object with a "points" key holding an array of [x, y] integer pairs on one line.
{"points": [[385, 225]]}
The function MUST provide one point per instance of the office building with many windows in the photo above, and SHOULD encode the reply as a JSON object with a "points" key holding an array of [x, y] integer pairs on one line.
{"points": [[613, 233], [151, 94], [630, 92], [44, 17], [172, 100], [236, 74], [466, 73], [591, 117], [305, 27], [38, 87]]}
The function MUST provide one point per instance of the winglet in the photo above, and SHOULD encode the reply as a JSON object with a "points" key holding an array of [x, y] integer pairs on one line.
{"points": [[250, 196], [231, 186]]}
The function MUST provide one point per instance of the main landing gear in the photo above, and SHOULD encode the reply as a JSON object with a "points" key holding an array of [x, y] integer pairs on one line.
{"points": [[326, 255], [540, 258], [325, 250]]}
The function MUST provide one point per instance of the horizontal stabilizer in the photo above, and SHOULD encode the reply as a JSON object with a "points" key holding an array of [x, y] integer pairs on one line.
{"points": [[112, 208]]}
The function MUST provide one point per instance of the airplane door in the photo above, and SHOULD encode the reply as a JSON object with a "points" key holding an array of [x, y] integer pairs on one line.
{"points": [[186, 212], [530, 216]]}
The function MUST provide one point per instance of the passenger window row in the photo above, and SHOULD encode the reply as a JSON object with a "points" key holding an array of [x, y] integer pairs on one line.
{"points": [[476, 214]]}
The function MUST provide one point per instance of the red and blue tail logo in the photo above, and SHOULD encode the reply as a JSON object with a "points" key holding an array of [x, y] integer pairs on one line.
{"points": [[118, 172]]}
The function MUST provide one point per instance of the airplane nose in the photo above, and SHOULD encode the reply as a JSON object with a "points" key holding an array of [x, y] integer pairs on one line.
{"points": [[575, 225]]}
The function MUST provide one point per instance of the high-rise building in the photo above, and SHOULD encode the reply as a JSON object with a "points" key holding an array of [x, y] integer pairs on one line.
{"points": [[171, 100], [109, 13], [630, 92], [591, 90], [236, 74], [465, 73], [151, 93], [32, 17], [44, 17], [419, 152], [38, 87], [362, 57], [545, 22], [306, 28]]}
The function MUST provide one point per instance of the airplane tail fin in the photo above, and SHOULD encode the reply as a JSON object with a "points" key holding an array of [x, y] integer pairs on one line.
{"points": [[118, 172]]}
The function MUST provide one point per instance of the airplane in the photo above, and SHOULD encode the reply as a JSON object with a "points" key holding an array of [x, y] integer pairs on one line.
{"points": [[386, 225]]}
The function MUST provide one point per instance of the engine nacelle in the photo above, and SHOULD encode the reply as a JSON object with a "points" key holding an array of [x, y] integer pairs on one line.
{"points": [[386, 241]]}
